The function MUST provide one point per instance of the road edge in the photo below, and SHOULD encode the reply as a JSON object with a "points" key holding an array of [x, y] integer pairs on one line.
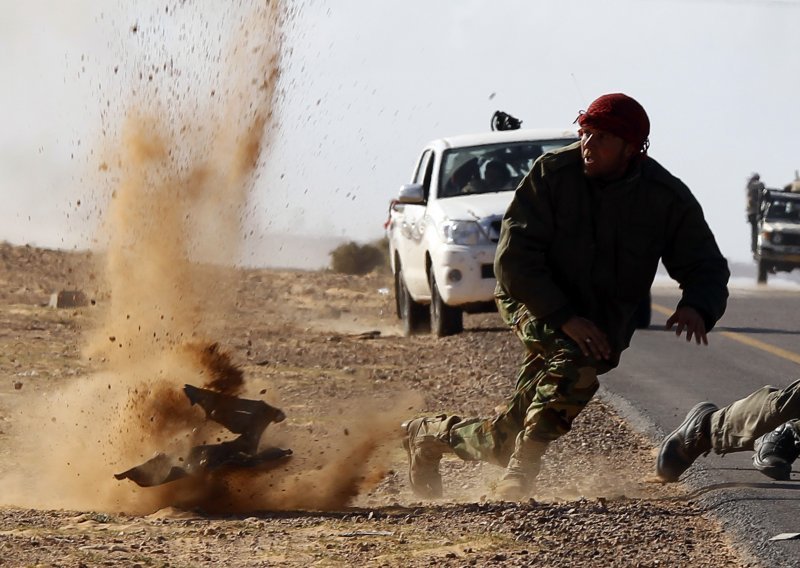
{"points": [[740, 534]]}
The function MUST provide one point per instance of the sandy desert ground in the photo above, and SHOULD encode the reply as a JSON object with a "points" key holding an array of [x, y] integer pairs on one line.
{"points": [[326, 349]]}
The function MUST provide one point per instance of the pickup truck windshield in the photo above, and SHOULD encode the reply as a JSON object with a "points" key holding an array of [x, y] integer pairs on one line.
{"points": [[492, 167], [783, 210]]}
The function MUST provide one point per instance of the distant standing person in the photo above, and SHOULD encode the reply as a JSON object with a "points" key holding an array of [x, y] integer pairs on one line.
{"points": [[754, 188], [579, 248]]}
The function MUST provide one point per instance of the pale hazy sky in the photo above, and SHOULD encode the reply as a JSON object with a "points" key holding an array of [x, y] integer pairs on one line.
{"points": [[368, 82]]}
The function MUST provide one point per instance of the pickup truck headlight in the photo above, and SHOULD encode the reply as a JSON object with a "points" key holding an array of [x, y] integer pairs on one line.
{"points": [[463, 233]]}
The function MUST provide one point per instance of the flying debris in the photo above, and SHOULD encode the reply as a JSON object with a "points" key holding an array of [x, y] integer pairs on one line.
{"points": [[248, 418]]}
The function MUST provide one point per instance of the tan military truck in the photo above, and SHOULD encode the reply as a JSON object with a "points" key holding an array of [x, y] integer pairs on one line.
{"points": [[778, 244]]}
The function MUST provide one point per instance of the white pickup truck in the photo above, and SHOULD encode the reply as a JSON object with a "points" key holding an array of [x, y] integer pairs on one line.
{"points": [[444, 226]]}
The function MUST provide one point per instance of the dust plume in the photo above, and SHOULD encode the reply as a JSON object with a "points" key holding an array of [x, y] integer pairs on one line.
{"points": [[181, 174]]}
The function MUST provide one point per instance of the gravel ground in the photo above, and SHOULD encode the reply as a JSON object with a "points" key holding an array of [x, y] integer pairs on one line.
{"points": [[327, 349]]}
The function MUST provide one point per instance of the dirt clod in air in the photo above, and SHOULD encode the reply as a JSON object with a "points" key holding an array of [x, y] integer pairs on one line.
{"points": [[226, 378]]}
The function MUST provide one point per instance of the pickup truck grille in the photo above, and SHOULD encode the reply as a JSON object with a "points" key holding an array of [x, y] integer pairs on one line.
{"points": [[790, 239]]}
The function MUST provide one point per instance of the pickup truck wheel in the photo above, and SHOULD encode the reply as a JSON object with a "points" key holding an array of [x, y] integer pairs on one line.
{"points": [[398, 309], [762, 272], [445, 320], [414, 315]]}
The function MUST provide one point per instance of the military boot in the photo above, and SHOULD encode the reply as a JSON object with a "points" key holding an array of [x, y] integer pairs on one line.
{"points": [[523, 467], [776, 451], [425, 441], [686, 443]]}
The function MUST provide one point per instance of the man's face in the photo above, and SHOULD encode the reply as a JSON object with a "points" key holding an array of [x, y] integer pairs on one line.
{"points": [[605, 155]]}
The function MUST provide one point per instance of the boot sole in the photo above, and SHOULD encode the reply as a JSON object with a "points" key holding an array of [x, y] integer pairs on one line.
{"points": [[776, 472]]}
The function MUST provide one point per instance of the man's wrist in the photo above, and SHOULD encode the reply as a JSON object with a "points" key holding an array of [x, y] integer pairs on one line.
{"points": [[559, 317]]}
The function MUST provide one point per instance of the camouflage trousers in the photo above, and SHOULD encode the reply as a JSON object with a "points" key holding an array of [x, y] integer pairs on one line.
{"points": [[735, 427], [556, 381]]}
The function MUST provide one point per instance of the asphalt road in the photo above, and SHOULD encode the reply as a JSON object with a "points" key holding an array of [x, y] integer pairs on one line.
{"points": [[661, 376]]}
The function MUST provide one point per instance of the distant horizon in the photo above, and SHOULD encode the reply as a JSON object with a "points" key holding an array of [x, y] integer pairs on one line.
{"points": [[282, 255], [290, 251]]}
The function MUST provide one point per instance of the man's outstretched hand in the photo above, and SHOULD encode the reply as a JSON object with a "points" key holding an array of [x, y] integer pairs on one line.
{"points": [[689, 320]]}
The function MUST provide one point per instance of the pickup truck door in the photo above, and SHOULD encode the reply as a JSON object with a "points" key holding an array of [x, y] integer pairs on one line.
{"points": [[411, 241]]}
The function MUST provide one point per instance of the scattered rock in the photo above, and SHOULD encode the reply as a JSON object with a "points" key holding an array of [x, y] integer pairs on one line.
{"points": [[316, 379], [68, 299]]}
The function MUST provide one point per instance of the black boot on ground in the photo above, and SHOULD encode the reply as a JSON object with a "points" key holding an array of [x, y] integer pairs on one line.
{"points": [[776, 451], [686, 443]]}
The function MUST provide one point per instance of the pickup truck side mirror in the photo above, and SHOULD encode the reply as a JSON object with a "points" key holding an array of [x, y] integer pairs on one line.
{"points": [[412, 193]]}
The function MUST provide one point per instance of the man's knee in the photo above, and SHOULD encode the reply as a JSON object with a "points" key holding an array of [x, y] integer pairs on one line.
{"points": [[786, 400]]}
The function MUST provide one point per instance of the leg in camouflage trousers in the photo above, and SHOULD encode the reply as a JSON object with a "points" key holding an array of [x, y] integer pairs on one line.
{"points": [[555, 383]]}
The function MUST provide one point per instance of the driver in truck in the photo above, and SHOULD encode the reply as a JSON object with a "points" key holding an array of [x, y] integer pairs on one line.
{"points": [[578, 251], [497, 175]]}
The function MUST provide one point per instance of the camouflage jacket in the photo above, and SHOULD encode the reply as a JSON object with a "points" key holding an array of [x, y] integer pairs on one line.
{"points": [[571, 246]]}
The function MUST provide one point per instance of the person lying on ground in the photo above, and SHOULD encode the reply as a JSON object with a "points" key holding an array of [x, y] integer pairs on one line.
{"points": [[766, 422]]}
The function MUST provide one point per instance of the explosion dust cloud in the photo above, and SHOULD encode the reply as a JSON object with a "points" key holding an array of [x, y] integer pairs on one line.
{"points": [[179, 178]]}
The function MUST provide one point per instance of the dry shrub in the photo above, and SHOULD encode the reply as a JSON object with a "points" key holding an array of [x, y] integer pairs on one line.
{"points": [[352, 258]]}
